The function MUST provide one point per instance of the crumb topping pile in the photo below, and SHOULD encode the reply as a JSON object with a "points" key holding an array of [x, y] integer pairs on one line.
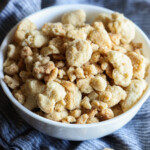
{"points": [[74, 72]]}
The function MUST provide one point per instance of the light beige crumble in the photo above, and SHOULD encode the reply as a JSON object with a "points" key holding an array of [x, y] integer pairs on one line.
{"points": [[82, 119], [53, 29], [76, 17], [19, 96], [134, 92], [78, 52], [123, 27], [113, 95], [73, 99], [98, 83], [79, 73], [11, 69], [23, 27], [123, 69], [35, 39], [139, 65], [85, 103], [76, 113], [13, 52], [11, 82], [84, 85], [57, 116], [100, 36]]}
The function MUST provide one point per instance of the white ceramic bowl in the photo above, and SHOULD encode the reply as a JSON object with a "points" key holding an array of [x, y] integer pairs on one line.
{"points": [[72, 131]]}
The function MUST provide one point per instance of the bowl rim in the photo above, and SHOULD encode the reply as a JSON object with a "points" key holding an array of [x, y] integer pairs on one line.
{"points": [[60, 124]]}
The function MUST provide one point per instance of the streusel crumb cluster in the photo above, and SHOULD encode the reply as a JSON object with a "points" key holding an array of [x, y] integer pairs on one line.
{"points": [[74, 72]]}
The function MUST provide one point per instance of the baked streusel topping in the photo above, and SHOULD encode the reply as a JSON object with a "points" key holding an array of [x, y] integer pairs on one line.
{"points": [[74, 72]]}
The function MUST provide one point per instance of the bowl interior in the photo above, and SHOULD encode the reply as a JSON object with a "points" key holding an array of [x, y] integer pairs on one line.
{"points": [[53, 14]]}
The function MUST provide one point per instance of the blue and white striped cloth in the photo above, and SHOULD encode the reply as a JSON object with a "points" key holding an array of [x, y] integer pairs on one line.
{"points": [[15, 134]]}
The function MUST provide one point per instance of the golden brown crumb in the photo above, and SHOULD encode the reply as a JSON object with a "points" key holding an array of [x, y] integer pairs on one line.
{"points": [[11, 82], [85, 103], [75, 113], [26, 51], [11, 69], [52, 76], [105, 114], [82, 119], [46, 68], [19, 96]]}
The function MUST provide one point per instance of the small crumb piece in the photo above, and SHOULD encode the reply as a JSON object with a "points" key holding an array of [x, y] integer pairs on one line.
{"points": [[122, 26], [19, 96], [92, 120], [61, 73], [25, 75], [104, 65], [35, 39], [57, 116], [11, 82], [60, 64], [99, 105], [55, 91], [46, 68], [52, 76], [69, 86], [78, 52], [12, 52], [30, 102], [113, 95], [115, 38], [119, 49], [104, 50], [59, 107], [117, 110], [75, 113], [76, 34], [105, 114], [95, 57], [26, 51], [11, 69], [71, 74], [92, 113], [79, 73], [93, 95], [123, 70], [90, 69], [104, 17], [23, 27], [53, 29], [139, 65], [85, 103], [98, 83], [82, 119], [94, 47], [84, 85], [73, 99], [76, 17], [45, 103], [100, 36], [135, 91], [69, 119]]}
